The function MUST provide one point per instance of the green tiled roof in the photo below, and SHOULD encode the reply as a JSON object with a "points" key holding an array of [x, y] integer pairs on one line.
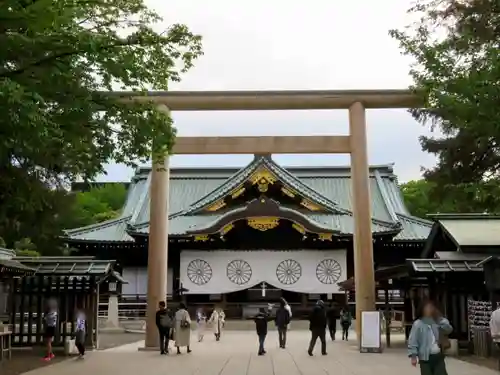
{"points": [[71, 266], [192, 189]]}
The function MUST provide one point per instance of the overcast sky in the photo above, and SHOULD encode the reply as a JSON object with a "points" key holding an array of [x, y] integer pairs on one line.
{"points": [[294, 44]]}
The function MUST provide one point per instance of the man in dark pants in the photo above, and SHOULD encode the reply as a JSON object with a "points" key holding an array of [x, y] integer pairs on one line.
{"points": [[332, 315], [164, 322], [282, 320], [317, 326], [261, 320]]}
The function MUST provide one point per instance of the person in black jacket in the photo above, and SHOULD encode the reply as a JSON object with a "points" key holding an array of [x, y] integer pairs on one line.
{"points": [[317, 326], [261, 320], [332, 315], [164, 322], [282, 320]]}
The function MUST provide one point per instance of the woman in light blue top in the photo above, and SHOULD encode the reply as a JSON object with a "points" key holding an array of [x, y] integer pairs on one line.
{"points": [[424, 344]]}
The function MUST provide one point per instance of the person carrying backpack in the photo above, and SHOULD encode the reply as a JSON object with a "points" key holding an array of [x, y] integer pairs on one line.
{"points": [[165, 324]]}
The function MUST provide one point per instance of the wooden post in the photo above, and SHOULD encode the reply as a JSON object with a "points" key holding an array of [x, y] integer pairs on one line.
{"points": [[364, 275], [158, 248], [387, 315]]}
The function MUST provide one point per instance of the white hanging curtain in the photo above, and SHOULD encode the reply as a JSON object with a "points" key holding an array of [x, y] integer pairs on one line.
{"points": [[225, 271]]}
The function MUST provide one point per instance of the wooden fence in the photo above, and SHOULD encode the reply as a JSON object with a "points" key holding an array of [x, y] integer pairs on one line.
{"points": [[29, 298]]}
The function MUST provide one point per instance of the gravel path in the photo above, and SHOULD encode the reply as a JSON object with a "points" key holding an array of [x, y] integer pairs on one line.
{"points": [[26, 360]]}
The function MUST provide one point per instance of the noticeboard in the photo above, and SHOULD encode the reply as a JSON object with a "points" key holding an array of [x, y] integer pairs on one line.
{"points": [[370, 332]]}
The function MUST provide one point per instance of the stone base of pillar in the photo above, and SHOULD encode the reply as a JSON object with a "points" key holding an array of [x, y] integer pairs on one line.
{"points": [[113, 320], [149, 349]]}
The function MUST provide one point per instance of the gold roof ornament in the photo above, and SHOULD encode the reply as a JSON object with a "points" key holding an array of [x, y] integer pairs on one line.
{"points": [[310, 205], [299, 228], [263, 223], [236, 193], [226, 228], [201, 238], [325, 236], [261, 176], [288, 192], [216, 206]]}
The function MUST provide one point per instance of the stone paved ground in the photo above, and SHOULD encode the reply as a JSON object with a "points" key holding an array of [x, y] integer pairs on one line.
{"points": [[236, 354]]}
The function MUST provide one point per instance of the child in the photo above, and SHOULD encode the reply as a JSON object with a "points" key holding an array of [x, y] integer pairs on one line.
{"points": [[50, 319], [80, 333], [201, 322], [261, 320], [345, 322]]}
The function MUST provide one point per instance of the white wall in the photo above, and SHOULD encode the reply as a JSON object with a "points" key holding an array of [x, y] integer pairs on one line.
{"points": [[137, 278]]}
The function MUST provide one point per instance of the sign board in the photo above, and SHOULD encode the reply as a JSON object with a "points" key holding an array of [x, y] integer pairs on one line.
{"points": [[370, 332]]}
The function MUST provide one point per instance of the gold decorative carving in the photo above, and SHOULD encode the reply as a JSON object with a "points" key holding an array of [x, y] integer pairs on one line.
{"points": [[310, 205], [263, 223], [227, 228], [237, 192], [288, 192], [263, 186], [325, 236], [201, 238], [216, 206], [299, 228], [262, 176]]}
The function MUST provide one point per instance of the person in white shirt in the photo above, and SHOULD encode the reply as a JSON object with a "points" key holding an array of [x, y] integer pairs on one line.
{"points": [[495, 326]]}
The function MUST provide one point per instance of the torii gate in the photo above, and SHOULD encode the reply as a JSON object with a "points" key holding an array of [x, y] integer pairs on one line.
{"points": [[356, 101]]}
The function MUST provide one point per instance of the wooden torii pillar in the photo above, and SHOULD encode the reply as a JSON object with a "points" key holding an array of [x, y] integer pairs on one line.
{"points": [[354, 144]]}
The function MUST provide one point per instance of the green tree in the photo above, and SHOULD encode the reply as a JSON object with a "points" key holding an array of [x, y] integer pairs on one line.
{"points": [[455, 45], [96, 205], [24, 247], [57, 61], [423, 197]]}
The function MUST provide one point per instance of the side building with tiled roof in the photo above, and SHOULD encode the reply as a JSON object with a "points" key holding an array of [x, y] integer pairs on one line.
{"points": [[253, 234]]}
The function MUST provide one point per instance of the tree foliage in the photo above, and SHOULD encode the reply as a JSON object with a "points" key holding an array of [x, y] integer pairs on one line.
{"points": [[96, 205], [57, 61], [456, 48], [421, 199]]}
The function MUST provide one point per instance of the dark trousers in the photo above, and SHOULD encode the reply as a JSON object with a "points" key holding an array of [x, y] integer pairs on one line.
{"points": [[80, 342], [434, 366], [164, 339], [332, 327], [282, 336], [315, 334], [262, 340], [345, 330], [80, 347]]}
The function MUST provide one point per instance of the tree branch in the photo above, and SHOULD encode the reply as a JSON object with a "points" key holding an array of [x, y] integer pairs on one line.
{"points": [[55, 56]]}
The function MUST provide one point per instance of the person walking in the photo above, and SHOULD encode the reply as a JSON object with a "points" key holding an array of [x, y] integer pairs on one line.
{"points": [[282, 320], [50, 320], [182, 329], [317, 326], [428, 340], [345, 322], [201, 323], [164, 323], [80, 332], [217, 320], [261, 320], [332, 315], [495, 329]]}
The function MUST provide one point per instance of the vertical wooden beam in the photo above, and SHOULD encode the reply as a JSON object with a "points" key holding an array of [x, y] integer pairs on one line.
{"points": [[158, 247], [364, 275]]}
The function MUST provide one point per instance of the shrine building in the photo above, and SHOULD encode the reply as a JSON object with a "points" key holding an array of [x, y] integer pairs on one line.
{"points": [[252, 235]]}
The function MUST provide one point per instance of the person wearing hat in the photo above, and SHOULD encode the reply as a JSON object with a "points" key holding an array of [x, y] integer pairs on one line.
{"points": [[317, 326]]}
